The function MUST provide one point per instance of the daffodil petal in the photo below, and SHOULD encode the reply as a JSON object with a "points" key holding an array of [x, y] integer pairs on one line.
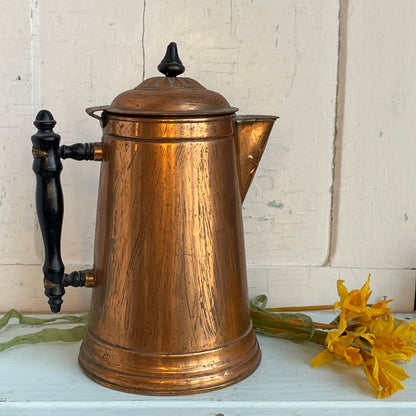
{"points": [[324, 357], [353, 356], [395, 371], [342, 323], [365, 290], [373, 382], [342, 290]]}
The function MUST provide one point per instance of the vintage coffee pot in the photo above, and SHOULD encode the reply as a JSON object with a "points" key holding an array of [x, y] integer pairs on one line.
{"points": [[169, 309]]}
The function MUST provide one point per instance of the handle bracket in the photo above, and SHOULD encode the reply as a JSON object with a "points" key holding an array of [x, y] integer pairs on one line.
{"points": [[82, 151]]}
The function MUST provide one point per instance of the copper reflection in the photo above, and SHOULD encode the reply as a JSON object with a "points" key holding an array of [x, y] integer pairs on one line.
{"points": [[170, 289], [169, 308]]}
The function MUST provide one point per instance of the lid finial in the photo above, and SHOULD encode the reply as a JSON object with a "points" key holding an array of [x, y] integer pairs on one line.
{"points": [[171, 65]]}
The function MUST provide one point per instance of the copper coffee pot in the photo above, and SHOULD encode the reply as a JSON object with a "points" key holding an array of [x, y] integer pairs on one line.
{"points": [[169, 309]]}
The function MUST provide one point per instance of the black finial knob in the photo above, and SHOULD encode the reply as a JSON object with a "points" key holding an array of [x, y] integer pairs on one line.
{"points": [[44, 120], [171, 65]]}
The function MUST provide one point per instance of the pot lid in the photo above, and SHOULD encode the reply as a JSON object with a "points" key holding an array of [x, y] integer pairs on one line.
{"points": [[170, 95]]}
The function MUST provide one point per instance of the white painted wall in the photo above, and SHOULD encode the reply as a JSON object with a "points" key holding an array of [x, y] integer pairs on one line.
{"points": [[334, 195]]}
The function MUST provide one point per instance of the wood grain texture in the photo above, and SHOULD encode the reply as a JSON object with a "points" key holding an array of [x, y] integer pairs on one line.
{"points": [[375, 215]]}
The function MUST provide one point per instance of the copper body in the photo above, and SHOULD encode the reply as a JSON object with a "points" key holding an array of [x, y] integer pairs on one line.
{"points": [[169, 311]]}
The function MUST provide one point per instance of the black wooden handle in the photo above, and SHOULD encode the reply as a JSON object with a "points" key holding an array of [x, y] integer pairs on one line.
{"points": [[50, 203]]}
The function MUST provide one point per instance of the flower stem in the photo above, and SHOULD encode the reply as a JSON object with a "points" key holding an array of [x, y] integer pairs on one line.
{"points": [[277, 326], [296, 322], [301, 308]]}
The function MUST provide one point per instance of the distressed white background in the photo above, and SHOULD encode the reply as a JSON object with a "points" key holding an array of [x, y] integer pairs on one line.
{"points": [[335, 194]]}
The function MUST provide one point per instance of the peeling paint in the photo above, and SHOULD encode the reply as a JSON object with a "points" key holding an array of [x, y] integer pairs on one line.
{"points": [[406, 217], [264, 218], [275, 204]]}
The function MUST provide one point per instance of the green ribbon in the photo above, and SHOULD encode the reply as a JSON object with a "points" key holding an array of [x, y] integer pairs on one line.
{"points": [[75, 333], [302, 334]]}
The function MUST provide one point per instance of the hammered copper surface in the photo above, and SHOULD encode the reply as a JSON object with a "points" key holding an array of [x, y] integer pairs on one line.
{"points": [[170, 96], [169, 310]]}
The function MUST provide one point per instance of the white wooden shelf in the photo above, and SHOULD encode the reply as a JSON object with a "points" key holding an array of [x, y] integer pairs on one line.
{"points": [[45, 379]]}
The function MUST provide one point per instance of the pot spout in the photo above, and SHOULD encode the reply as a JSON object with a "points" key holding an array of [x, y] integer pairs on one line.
{"points": [[252, 135]]}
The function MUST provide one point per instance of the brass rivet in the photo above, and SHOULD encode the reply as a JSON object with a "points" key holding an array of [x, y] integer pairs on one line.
{"points": [[98, 152], [89, 278]]}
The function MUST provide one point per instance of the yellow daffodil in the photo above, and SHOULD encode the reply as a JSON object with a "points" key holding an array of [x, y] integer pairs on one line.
{"points": [[388, 336], [338, 347], [363, 335], [353, 304], [384, 376]]}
